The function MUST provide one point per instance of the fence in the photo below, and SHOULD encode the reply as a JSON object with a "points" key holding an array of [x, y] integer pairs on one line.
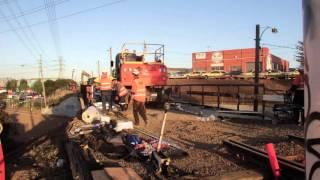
{"points": [[240, 93], [29, 103]]}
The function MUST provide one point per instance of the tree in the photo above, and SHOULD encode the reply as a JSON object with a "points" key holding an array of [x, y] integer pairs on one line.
{"points": [[63, 83], [300, 53], [12, 85], [50, 87], [23, 85], [37, 87]]}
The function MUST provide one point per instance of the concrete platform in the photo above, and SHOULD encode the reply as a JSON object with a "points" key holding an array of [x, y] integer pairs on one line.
{"points": [[115, 173], [240, 175]]}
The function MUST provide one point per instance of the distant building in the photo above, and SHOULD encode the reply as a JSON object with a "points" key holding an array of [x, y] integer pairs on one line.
{"points": [[237, 60], [3, 82]]}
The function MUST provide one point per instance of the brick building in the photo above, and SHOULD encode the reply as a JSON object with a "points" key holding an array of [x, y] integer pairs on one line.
{"points": [[239, 60]]}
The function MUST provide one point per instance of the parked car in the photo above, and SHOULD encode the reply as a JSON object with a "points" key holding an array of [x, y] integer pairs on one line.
{"points": [[214, 74], [194, 75], [275, 74], [247, 75], [233, 74], [22, 97], [292, 73], [3, 105], [176, 75]]}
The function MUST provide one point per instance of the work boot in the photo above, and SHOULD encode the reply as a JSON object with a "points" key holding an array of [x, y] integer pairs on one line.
{"points": [[136, 123]]}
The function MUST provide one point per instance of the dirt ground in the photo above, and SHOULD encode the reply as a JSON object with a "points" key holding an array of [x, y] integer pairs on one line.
{"points": [[202, 140], [33, 145]]}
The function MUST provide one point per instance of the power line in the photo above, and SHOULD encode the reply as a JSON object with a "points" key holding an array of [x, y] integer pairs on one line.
{"points": [[279, 46], [53, 25], [29, 28], [18, 35], [30, 11], [26, 35], [51, 14], [70, 15]]}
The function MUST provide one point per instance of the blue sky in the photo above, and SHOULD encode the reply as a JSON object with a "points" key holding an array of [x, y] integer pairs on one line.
{"points": [[183, 26]]}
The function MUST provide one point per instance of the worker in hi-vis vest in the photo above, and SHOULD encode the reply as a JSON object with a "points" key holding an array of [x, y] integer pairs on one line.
{"points": [[120, 93], [139, 97], [106, 91]]}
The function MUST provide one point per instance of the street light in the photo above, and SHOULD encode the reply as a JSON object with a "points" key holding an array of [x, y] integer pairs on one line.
{"points": [[257, 62]]}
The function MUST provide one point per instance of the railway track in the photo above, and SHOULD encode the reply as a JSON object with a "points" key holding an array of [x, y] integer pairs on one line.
{"points": [[297, 139], [247, 153], [86, 158]]}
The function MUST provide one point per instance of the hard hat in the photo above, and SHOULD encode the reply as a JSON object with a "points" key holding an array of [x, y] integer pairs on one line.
{"points": [[113, 78], [97, 80], [135, 72]]}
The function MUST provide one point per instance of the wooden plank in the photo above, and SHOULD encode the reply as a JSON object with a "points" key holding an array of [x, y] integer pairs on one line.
{"points": [[239, 112], [273, 98], [77, 162], [99, 175], [119, 173], [240, 175]]}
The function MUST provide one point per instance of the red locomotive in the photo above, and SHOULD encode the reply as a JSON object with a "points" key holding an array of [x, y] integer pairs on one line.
{"points": [[150, 61]]}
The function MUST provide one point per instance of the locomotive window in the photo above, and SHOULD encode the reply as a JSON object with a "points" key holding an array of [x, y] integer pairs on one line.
{"points": [[130, 57]]}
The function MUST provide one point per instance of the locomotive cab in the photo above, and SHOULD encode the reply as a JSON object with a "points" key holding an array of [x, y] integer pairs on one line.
{"points": [[150, 62]]}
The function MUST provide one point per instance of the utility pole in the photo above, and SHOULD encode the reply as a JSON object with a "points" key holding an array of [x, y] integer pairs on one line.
{"points": [[60, 67], [256, 69], [98, 64], [110, 54], [42, 82], [72, 73]]}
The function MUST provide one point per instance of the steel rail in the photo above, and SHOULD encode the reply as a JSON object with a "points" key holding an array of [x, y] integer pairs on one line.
{"points": [[288, 168], [296, 138]]}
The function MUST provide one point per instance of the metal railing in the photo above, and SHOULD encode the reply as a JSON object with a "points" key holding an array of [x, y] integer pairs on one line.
{"points": [[189, 89]]}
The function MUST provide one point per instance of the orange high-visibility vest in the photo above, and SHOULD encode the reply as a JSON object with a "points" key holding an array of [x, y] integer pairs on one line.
{"points": [[105, 83], [139, 90], [122, 91]]}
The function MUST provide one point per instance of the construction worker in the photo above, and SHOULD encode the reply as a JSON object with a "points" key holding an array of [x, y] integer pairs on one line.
{"points": [[298, 89], [139, 97], [89, 94], [106, 92], [121, 93]]}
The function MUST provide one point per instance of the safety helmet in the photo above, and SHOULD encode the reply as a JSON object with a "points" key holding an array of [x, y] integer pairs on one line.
{"points": [[135, 72], [97, 80]]}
